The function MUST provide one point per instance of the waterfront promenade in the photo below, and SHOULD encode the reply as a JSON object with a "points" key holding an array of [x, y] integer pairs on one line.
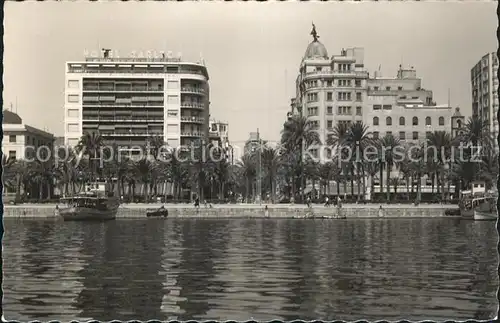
{"points": [[138, 210]]}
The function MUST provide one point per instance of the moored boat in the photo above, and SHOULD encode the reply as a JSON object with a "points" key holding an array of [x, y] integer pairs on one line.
{"points": [[94, 204], [160, 212], [486, 209]]}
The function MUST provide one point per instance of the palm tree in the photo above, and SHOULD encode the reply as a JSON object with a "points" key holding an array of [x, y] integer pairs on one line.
{"points": [[439, 147], [248, 172], [389, 146], [271, 161], [299, 134], [156, 146], [358, 140], [90, 145]]}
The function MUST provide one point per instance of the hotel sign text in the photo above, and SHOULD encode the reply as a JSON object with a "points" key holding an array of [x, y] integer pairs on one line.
{"points": [[151, 54]]}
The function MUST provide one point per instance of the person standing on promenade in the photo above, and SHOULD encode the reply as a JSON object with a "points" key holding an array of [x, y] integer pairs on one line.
{"points": [[380, 212], [327, 201]]}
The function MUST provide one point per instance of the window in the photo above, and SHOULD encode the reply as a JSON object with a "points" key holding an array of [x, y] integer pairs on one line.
{"points": [[72, 127], [73, 84], [415, 135], [415, 121], [401, 121], [377, 107], [400, 88], [428, 121], [387, 107], [312, 111], [344, 96], [375, 135], [172, 85], [329, 124], [329, 96], [12, 138], [172, 99], [172, 113], [441, 121], [388, 121], [329, 110], [357, 83], [359, 96], [375, 121], [12, 154], [358, 111], [73, 113], [312, 97], [387, 88], [402, 135], [73, 98]]}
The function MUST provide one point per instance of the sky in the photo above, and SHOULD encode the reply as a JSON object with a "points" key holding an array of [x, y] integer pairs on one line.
{"points": [[252, 50]]}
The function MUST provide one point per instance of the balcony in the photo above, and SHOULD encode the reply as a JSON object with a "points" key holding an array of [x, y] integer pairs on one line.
{"points": [[123, 119], [121, 89], [192, 105], [120, 105], [189, 89], [130, 134], [193, 119], [351, 73], [191, 134]]}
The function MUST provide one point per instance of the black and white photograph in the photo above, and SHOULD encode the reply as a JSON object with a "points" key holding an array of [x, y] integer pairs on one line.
{"points": [[250, 161]]}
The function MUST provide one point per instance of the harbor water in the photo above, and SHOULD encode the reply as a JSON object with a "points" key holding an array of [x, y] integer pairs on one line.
{"points": [[240, 269]]}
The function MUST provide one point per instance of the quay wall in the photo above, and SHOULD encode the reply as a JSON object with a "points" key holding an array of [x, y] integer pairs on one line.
{"points": [[252, 211]]}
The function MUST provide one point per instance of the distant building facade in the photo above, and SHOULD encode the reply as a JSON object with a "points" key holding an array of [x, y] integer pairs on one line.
{"points": [[484, 80], [21, 141], [128, 100], [339, 89]]}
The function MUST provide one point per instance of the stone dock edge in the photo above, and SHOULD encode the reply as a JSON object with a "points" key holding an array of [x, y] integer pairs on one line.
{"points": [[134, 211]]}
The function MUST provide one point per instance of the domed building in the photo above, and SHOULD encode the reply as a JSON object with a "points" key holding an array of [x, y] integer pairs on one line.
{"points": [[10, 117], [316, 50], [21, 141]]}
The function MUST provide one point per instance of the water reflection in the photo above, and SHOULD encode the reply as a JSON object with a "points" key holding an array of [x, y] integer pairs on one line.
{"points": [[240, 269]]}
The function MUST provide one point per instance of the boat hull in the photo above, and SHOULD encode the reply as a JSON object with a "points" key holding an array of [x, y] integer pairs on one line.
{"points": [[485, 216], [467, 214], [157, 213], [87, 214]]}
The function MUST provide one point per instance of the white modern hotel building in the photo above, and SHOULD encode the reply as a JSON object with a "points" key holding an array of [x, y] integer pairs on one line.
{"points": [[127, 100]]}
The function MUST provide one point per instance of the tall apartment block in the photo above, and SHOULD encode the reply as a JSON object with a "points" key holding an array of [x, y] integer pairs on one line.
{"points": [[484, 81], [128, 100], [338, 89]]}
